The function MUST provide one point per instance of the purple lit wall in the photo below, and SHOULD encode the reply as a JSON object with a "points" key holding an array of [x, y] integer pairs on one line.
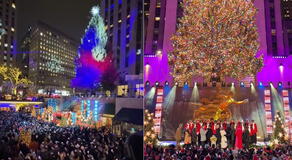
{"points": [[156, 66]]}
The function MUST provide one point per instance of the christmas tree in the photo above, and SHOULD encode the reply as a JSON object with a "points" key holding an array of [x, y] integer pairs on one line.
{"points": [[215, 39], [92, 63], [150, 137], [279, 131]]}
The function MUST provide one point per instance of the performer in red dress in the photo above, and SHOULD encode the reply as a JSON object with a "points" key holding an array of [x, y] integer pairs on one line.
{"points": [[189, 126], [198, 127], [225, 125], [205, 125], [253, 132], [238, 133]]}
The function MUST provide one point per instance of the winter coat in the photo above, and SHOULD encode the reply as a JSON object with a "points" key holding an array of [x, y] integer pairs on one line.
{"points": [[223, 139], [188, 138], [178, 134], [203, 135]]}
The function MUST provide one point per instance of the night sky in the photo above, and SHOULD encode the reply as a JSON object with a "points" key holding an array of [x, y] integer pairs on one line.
{"points": [[69, 16]]}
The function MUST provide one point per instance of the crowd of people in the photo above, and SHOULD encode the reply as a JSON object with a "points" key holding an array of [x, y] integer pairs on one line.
{"points": [[23, 137], [191, 152], [218, 134]]}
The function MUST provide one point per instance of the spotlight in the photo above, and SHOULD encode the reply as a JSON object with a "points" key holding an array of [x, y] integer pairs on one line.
{"points": [[166, 83], [241, 84], [156, 83], [260, 84], [280, 84], [176, 83], [232, 84], [147, 83]]}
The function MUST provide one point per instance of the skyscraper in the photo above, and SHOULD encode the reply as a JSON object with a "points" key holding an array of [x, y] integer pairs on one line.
{"points": [[124, 24], [286, 9], [8, 40], [48, 55], [278, 27]]}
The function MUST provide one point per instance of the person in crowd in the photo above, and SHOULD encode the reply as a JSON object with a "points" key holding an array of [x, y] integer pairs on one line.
{"points": [[209, 134], [188, 138], [200, 153], [198, 128], [223, 138], [194, 136], [246, 135], [47, 141], [178, 134], [213, 140], [253, 132], [232, 135], [238, 133], [218, 135], [203, 136]]}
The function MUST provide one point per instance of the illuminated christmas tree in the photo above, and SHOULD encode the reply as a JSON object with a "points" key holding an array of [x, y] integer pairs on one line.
{"points": [[215, 39], [279, 131], [93, 62], [150, 137]]}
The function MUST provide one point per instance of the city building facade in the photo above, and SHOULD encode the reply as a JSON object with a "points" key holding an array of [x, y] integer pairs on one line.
{"points": [[8, 39], [48, 58], [124, 25]]}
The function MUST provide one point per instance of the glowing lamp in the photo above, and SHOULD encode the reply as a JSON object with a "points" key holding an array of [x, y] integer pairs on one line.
{"points": [[156, 83], [176, 83], [261, 84], [195, 84], [232, 84], [241, 84], [166, 83], [280, 84], [281, 67], [158, 52]]}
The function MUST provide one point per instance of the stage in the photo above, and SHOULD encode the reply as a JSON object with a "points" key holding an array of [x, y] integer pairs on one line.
{"points": [[173, 105]]}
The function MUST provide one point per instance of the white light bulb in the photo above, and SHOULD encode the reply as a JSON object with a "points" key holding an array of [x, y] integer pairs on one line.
{"points": [[94, 11]]}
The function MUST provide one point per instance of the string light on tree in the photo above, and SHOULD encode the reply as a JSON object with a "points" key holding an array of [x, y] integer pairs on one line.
{"points": [[215, 39], [93, 65], [96, 23]]}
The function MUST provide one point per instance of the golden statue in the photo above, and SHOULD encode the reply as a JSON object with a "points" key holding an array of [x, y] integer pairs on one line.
{"points": [[216, 108]]}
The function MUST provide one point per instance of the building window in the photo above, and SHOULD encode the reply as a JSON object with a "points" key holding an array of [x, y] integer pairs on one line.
{"points": [[127, 61]]}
